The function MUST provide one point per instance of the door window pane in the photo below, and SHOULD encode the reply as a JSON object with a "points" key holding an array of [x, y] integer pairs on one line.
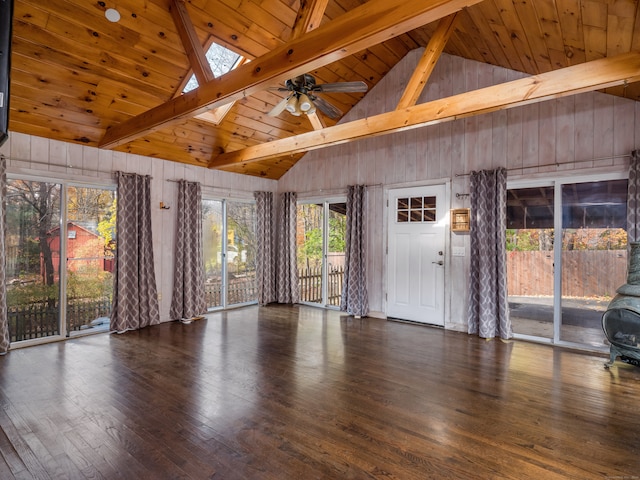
{"points": [[33, 259], [212, 230], [336, 252], [594, 255], [530, 260], [309, 243], [91, 243], [241, 253]]}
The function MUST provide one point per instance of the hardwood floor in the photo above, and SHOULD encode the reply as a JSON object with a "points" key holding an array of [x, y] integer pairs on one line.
{"points": [[303, 393]]}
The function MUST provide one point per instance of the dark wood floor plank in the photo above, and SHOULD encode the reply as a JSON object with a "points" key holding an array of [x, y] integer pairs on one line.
{"points": [[297, 392]]}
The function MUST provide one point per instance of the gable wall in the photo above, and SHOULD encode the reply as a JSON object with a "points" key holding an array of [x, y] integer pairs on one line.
{"points": [[591, 132], [43, 158]]}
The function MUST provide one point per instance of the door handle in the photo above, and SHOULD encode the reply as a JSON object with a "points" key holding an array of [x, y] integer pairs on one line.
{"points": [[439, 262]]}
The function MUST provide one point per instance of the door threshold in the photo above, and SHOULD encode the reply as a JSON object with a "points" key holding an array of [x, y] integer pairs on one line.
{"points": [[414, 322]]}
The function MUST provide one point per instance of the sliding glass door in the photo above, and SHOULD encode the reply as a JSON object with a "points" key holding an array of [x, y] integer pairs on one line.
{"points": [[60, 242], [530, 242], [229, 246], [321, 233], [566, 256]]}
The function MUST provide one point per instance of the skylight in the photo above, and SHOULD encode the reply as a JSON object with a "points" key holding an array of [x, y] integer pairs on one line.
{"points": [[221, 59]]}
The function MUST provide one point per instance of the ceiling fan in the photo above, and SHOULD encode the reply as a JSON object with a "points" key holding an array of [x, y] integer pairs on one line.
{"points": [[303, 98]]}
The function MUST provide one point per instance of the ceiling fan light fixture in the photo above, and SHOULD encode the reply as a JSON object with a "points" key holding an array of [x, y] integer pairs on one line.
{"points": [[292, 105], [304, 103]]}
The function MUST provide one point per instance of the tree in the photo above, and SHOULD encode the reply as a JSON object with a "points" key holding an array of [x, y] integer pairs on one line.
{"points": [[43, 201]]}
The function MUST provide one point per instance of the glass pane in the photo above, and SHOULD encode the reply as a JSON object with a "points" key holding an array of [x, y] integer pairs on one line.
{"points": [[594, 256], [91, 242], [33, 259], [212, 251], [430, 202], [530, 260], [309, 252], [221, 60], [416, 202], [403, 216], [336, 252], [241, 253], [429, 216]]}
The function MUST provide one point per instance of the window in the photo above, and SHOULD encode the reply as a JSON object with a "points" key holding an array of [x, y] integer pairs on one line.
{"points": [[416, 209], [222, 60]]}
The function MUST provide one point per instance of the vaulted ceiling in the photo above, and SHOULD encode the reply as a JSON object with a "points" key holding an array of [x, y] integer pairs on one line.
{"points": [[78, 77]]}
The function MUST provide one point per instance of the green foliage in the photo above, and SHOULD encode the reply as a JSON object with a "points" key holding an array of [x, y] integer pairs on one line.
{"points": [[337, 233], [107, 226], [312, 248], [310, 253], [530, 240], [95, 284], [27, 293]]}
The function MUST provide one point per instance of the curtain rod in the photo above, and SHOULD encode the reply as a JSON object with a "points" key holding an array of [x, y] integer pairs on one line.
{"points": [[72, 167], [39, 162], [556, 164]]}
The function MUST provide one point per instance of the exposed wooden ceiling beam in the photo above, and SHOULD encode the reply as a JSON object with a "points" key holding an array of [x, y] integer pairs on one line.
{"points": [[572, 80], [428, 61], [191, 42], [309, 16], [364, 26]]}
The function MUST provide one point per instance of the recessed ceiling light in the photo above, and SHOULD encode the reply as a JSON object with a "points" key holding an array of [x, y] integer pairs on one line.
{"points": [[112, 15]]}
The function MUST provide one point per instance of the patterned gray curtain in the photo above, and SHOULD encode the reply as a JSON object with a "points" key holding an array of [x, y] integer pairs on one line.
{"points": [[264, 250], [287, 282], [135, 297], [488, 314], [633, 198], [4, 321], [188, 299], [354, 298]]}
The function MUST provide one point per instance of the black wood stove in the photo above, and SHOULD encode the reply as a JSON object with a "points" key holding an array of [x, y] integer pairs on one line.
{"points": [[621, 321]]}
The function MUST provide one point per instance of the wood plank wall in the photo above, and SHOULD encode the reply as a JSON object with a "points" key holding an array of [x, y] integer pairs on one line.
{"points": [[43, 158], [588, 133]]}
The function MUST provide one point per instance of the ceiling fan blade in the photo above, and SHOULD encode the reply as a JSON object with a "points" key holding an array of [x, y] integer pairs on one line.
{"points": [[326, 108], [341, 87], [279, 108]]}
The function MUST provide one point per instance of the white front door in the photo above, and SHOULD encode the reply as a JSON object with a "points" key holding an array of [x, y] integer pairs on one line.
{"points": [[417, 219]]}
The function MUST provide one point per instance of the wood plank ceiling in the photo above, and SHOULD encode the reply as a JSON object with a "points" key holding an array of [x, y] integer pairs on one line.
{"points": [[77, 77]]}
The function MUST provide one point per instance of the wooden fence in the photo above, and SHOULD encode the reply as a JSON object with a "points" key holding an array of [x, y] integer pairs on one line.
{"points": [[586, 273], [310, 285], [239, 290]]}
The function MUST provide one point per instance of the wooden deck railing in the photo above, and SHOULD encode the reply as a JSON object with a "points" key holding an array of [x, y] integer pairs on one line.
{"points": [[40, 319]]}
